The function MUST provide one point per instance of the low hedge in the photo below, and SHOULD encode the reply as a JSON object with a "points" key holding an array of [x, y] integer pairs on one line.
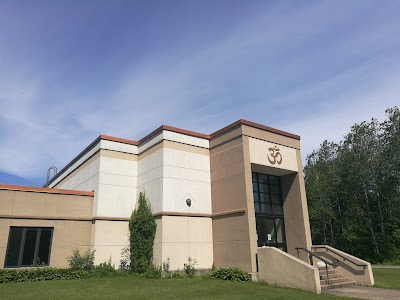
{"points": [[232, 274], [48, 273], [40, 274]]}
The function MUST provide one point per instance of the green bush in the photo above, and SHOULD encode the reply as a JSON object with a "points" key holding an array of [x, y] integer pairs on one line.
{"points": [[232, 274], [153, 272], [178, 275], [189, 268], [105, 269], [166, 272], [40, 274], [78, 261], [142, 229]]}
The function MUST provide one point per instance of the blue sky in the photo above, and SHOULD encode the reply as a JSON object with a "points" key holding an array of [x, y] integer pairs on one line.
{"points": [[71, 70]]}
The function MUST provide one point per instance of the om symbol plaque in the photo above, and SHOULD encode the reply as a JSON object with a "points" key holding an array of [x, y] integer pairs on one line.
{"points": [[276, 156]]}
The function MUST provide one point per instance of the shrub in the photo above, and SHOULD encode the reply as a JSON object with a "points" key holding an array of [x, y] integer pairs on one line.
{"points": [[40, 274], [189, 268], [153, 272], [165, 267], [232, 274], [78, 261], [103, 269], [124, 263], [178, 275], [142, 229]]}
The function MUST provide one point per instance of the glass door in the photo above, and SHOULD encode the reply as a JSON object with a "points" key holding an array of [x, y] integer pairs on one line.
{"points": [[268, 207]]}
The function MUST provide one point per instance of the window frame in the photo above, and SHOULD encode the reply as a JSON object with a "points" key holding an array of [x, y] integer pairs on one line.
{"points": [[269, 213], [21, 249]]}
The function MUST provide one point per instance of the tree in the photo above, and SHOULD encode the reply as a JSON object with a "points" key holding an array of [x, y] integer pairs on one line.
{"points": [[142, 229], [353, 190]]}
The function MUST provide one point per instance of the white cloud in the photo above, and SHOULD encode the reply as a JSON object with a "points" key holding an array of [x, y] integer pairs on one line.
{"points": [[274, 68]]}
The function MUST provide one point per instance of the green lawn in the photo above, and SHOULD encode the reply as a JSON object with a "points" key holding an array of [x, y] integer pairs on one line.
{"points": [[387, 278], [140, 288]]}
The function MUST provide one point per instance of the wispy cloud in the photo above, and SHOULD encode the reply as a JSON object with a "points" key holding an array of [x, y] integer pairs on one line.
{"points": [[311, 68]]}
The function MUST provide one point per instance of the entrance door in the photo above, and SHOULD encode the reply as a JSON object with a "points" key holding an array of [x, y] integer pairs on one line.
{"points": [[268, 207]]}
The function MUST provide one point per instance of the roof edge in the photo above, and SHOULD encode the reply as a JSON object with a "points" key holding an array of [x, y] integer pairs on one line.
{"points": [[270, 129], [174, 129], [255, 125], [23, 188], [118, 140], [177, 130]]}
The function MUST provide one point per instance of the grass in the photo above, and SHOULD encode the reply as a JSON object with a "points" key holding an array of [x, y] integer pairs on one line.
{"points": [[141, 288], [387, 278]]}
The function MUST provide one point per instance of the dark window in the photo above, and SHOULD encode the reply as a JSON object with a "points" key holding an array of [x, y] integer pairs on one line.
{"points": [[268, 206], [28, 246]]}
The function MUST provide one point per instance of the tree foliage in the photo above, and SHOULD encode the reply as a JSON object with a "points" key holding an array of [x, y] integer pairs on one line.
{"points": [[142, 229], [353, 190]]}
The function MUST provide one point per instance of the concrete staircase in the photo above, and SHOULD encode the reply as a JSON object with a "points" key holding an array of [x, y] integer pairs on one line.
{"points": [[335, 279]]}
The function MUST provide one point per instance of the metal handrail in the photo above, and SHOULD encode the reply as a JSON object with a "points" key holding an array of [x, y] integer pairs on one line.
{"points": [[338, 254], [310, 254]]}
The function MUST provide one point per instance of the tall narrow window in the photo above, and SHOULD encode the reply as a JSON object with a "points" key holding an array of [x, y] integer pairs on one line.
{"points": [[28, 246], [268, 207]]}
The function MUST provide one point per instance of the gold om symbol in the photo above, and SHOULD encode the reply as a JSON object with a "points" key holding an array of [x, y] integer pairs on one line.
{"points": [[276, 155]]}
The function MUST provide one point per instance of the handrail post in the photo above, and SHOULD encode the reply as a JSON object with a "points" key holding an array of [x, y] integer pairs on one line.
{"points": [[327, 275]]}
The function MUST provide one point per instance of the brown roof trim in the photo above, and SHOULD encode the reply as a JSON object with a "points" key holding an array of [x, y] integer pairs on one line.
{"points": [[49, 218], [173, 129], [119, 140], [255, 125], [270, 129], [226, 128], [230, 212], [181, 214], [10, 187], [102, 218], [200, 135]]}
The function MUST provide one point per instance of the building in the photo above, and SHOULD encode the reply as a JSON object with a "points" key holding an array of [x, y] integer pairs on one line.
{"points": [[216, 198]]}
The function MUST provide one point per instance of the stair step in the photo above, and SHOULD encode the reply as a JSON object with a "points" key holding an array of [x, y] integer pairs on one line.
{"points": [[335, 280], [321, 268], [333, 275], [323, 272], [336, 285]]}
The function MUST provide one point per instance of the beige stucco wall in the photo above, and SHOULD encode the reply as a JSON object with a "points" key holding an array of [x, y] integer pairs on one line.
{"points": [[228, 190], [44, 205], [70, 215], [182, 237], [280, 268], [297, 225], [234, 154], [109, 238]]}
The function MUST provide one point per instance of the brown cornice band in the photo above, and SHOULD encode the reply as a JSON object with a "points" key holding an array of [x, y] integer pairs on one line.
{"points": [[101, 218], [200, 135], [50, 218], [181, 214], [10, 187], [229, 212], [119, 140], [173, 129]]}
